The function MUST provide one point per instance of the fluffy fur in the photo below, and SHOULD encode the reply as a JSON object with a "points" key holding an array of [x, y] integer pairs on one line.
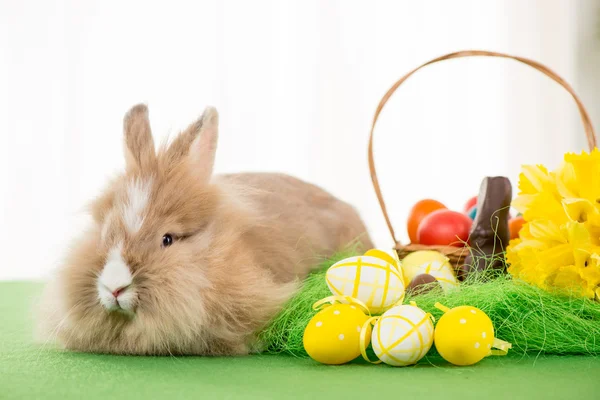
{"points": [[241, 245]]}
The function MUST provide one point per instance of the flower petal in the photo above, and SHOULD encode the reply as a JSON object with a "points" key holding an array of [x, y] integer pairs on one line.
{"points": [[578, 209], [547, 230], [533, 179], [566, 181]]}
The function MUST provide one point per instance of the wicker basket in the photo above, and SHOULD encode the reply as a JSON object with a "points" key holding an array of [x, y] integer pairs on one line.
{"points": [[456, 254]]}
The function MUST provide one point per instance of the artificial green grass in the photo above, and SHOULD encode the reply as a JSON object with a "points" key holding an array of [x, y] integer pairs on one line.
{"points": [[533, 320], [28, 371]]}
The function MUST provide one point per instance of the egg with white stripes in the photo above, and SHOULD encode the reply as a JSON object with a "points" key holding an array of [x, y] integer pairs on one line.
{"points": [[402, 335], [433, 263], [374, 278]]}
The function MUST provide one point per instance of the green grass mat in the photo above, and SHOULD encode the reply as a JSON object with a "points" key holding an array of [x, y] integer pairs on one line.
{"points": [[30, 372]]}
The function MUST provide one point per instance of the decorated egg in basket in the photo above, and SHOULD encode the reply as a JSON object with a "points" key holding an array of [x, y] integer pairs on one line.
{"points": [[430, 262]]}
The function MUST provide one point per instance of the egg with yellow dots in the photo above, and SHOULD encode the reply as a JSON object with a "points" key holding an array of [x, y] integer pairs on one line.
{"points": [[374, 278], [430, 262], [402, 335], [333, 335], [463, 335]]}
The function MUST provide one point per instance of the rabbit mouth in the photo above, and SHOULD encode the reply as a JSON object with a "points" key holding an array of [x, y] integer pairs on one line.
{"points": [[121, 300], [128, 314], [116, 291]]}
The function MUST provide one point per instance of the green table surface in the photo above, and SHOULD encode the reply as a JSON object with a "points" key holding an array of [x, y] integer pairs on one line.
{"points": [[28, 371]]}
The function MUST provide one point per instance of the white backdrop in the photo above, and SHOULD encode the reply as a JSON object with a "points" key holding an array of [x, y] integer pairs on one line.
{"points": [[296, 84]]}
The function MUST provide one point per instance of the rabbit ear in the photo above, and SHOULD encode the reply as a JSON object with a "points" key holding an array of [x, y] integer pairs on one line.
{"points": [[201, 153], [139, 145], [180, 146]]}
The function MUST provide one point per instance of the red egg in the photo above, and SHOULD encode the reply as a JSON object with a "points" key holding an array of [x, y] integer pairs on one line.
{"points": [[470, 204], [444, 228], [418, 212]]}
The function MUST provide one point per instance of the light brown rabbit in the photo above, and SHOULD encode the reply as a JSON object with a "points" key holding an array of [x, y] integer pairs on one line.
{"points": [[181, 262]]}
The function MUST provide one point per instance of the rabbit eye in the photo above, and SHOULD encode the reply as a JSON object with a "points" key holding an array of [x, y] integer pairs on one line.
{"points": [[167, 240]]}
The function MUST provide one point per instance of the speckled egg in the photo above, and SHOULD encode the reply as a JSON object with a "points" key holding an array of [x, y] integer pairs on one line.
{"points": [[464, 335], [333, 335]]}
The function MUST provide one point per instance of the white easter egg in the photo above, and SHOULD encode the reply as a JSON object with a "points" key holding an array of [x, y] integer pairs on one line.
{"points": [[402, 336], [430, 262], [372, 280]]}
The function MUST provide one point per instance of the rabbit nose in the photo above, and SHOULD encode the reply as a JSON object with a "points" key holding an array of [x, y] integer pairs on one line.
{"points": [[118, 291]]}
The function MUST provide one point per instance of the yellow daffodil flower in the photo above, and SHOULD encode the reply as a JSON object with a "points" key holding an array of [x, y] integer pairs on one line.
{"points": [[559, 246]]}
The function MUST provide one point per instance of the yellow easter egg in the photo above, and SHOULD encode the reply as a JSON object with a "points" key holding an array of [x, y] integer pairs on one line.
{"points": [[333, 335], [464, 335], [430, 262], [402, 336], [375, 281]]}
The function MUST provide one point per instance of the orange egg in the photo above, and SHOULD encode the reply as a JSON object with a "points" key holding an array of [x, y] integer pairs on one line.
{"points": [[515, 225]]}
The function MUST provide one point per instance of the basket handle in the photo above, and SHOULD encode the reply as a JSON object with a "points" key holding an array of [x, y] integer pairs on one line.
{"points": [[585, 118]]}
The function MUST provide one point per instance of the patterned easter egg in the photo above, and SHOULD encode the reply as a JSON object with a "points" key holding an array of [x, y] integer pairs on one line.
{"points": [[402, 336], [333, 335], [375, 281], [464, 335], [430, 262]]}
